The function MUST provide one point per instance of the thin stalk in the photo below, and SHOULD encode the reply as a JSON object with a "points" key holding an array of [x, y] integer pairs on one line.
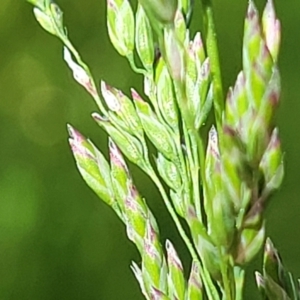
{"points": [[172, 212], [133, 66], [213, 54], [96, 97], [224, 272], [70, 46], [183, 166], [192, 153], [210, 288], [200, 152], [239, 277], [191, 146]]}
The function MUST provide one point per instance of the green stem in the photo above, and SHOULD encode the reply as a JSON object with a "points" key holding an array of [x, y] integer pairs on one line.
{"points": [[210, 288], [183, 167], [192, 154], [224, 272], [239, 277], [191, 145], [213, 54], [172, 212], [76, 55], [133, 66], [200, 152]]}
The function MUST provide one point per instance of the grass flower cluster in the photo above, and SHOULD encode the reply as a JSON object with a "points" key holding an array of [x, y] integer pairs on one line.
{"points": [[219, 184]]}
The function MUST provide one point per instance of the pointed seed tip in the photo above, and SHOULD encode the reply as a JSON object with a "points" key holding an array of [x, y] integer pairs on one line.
{"points": [[168, 244], [73, 133], [252, 11], [111, 144], [70, 129], [98, 118], [135, 94], [259, 279], [270, 4]]}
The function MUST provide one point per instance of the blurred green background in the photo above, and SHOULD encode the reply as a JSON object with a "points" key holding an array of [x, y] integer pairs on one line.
{"points": [[57, 240]]}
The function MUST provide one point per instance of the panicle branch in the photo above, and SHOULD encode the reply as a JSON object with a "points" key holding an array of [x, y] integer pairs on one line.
{"points": [[219, 188]]}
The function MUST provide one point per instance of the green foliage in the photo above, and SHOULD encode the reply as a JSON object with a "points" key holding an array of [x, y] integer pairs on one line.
{"points": [[220, 193]]}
